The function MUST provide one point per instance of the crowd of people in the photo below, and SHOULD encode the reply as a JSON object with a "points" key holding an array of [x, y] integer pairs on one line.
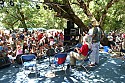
{"points": [[20, 42], [116, 41], [38, 42]]}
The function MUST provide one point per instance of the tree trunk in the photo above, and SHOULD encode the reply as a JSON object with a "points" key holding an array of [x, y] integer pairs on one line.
{"points": [[65, 11], [22, 19], [24, 25]]}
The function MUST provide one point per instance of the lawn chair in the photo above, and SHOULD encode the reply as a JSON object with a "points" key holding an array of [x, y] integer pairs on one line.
{"points": [[122, 52], [122, 55], [29, 63], [85, 60], [59, 62], [50, 53]]}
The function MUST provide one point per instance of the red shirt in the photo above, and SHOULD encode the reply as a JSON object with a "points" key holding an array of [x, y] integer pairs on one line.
{"points": [[123, 35], [40, 36], [84, 49]]}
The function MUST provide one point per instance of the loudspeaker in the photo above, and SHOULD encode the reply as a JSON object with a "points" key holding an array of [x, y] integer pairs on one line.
{"points": [[70, 25], [66, 43], [74, 31], [67, 37], [66, 40], [66, 31]]}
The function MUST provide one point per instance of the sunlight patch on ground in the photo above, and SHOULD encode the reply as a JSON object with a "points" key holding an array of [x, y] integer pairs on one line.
{"points": [[113, 61], [109, 71]]}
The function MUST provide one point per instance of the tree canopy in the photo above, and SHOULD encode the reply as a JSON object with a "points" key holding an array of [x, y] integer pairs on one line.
{"points": [[55, 13]]}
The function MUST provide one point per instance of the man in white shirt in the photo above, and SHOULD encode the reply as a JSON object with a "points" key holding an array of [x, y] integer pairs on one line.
{"points": [[111, 42]]}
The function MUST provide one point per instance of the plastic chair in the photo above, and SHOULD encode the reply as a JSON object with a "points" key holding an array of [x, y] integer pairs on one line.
{"points": [[59, 60], [29, 63]]}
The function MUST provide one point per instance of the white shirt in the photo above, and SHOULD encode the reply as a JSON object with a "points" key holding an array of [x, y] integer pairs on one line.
{"points": [[90, 32], [110, 38], [118, 39]]}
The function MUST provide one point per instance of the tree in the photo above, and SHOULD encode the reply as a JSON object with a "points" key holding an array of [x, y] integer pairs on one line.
{"points": [[25, 13], [13, 14], [28, 14], [96, 9]]}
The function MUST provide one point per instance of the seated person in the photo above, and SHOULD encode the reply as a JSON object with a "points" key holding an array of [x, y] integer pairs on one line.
{"points": [[79, 53], [10, 55], [59, 49], [50, 51]]}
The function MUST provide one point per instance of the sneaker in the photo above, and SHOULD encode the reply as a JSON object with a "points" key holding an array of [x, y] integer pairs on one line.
{"points": [[73, 66], [91, 65], [96, 63], [68, 66]]}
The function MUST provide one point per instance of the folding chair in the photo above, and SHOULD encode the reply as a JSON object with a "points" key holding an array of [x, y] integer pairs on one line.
{"points": [[122, 52], [50, 52], [59, 60], [29, 63], [85, 60]]}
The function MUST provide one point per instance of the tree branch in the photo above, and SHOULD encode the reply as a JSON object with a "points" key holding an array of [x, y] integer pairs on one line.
{"points": [[15, 22], [65, 11], [85, 7], [109, 5], [88, 2], [11, 14]]}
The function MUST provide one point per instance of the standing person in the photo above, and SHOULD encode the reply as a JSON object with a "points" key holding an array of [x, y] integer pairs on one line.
{"points": [[13, 36], [19, 49], [94, 57], [25, 47]]}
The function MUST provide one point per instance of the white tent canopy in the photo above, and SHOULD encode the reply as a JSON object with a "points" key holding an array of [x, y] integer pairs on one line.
{"points": [[54, 30]]}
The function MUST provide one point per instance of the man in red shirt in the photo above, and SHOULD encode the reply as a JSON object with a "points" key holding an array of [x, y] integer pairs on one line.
{"points": [[40, 35], [80, 53]]}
